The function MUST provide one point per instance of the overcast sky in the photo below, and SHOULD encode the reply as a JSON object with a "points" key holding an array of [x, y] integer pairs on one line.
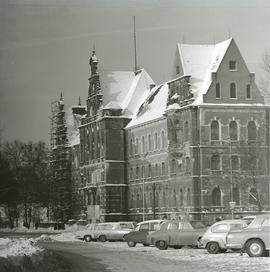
{"points": [[45, 47]]}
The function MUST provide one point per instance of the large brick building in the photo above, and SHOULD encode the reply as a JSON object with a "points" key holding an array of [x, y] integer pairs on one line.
{"points": [[189, 146]]}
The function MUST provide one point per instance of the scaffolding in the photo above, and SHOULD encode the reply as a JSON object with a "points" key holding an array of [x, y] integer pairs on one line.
{"points": [[60, 162]]}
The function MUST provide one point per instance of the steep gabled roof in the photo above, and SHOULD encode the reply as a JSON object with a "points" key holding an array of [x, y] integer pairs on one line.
{"points": [[152, 106], [199, 61], [125, 89]]}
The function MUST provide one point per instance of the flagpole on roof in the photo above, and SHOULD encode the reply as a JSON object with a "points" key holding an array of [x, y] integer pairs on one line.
{"points": [[135, 48]]}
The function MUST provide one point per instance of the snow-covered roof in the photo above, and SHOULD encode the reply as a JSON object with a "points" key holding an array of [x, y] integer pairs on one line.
{"points": [[152, 106], [199, 61], [124, 89]]}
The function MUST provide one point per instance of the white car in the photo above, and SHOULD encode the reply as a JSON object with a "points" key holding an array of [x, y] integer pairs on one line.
{"points": [[214, 239]]}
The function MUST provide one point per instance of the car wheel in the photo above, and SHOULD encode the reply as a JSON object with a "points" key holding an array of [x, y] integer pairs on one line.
{"points": [[87, 238], [131, 244], [255, 248], [162, 245], [102, 238], [213, 248]]}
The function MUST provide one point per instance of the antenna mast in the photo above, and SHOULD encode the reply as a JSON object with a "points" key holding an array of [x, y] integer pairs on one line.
{"points": [[135, 49]]}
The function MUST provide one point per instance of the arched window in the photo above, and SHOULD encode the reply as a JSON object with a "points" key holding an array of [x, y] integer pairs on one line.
{"points": [[253, 197], [149, 171], [186, 131], [98, 200], [156, 141], [235, 162], [137, 172], [216, 197], [156, 170], [233, 90], [163, 169], [188, 197], [131, 147], [143, 144], [252, 131], [233, 131], [236, 195], [248, 92], [218, 90], [136, 146], [181, 197], [215, 130], [137, 201], [149, 143], [162, 139], [143, 171], [173, 170], [157, 200], [215, 162], [174, 198], [164, 199]]}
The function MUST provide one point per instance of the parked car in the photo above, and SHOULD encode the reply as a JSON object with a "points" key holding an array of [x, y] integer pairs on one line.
{"points": [[88, 233], [113, 231], [175, 233], [254, 239], [140, 233], [214, 239]]}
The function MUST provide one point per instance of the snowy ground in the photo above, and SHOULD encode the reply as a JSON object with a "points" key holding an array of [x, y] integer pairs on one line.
{"points": [[18, 247], [232, 261]]}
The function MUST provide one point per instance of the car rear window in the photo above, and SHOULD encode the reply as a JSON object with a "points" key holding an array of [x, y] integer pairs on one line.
{"points": [[126, 226], [144, 226], [220, 228], [237, 226]]}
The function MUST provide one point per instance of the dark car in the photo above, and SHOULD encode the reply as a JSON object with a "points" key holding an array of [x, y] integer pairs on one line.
{"points": [[175, 233], [140, 233]]}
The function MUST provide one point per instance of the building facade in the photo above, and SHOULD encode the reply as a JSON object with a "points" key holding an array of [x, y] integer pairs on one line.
{"points": [[197, 145]]}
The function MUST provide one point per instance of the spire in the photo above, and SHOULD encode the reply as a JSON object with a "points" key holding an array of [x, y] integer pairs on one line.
{"points": [[61, 97], [93, 62], [79, 101]]}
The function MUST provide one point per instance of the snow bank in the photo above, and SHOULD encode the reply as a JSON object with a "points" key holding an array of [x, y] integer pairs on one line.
{"points": [[65, 237], [19, 247]]}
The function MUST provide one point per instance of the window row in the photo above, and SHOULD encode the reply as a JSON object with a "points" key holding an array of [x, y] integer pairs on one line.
{"points": [[147, 144], [233, 131], [233, 91], [157, 170], [216, 195], [162, 199], [181, 132], [251, 162]]}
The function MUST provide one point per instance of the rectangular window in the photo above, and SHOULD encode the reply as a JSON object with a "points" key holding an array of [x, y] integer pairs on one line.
{"points": [[232, 65]]}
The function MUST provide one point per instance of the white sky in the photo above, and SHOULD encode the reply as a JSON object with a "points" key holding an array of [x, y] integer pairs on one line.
{"points": [[45, 46]]}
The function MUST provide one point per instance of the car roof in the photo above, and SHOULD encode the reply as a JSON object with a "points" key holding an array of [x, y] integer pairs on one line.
{"points": [[151, 221], [228, 221]]}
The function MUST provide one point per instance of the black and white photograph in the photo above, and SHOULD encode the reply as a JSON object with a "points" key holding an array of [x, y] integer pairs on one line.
{"points": [[134, 135]]}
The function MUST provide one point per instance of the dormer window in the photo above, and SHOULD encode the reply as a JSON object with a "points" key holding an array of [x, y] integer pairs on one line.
{"points": [[233, 90], [248, 92], [232, 65], [218, 91]]}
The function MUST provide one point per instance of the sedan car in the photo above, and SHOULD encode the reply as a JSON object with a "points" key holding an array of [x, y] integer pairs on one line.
{"points": [[113, 231], [87, 234], [214, 239], [175, 233], [254, 239], [140, 233]]}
